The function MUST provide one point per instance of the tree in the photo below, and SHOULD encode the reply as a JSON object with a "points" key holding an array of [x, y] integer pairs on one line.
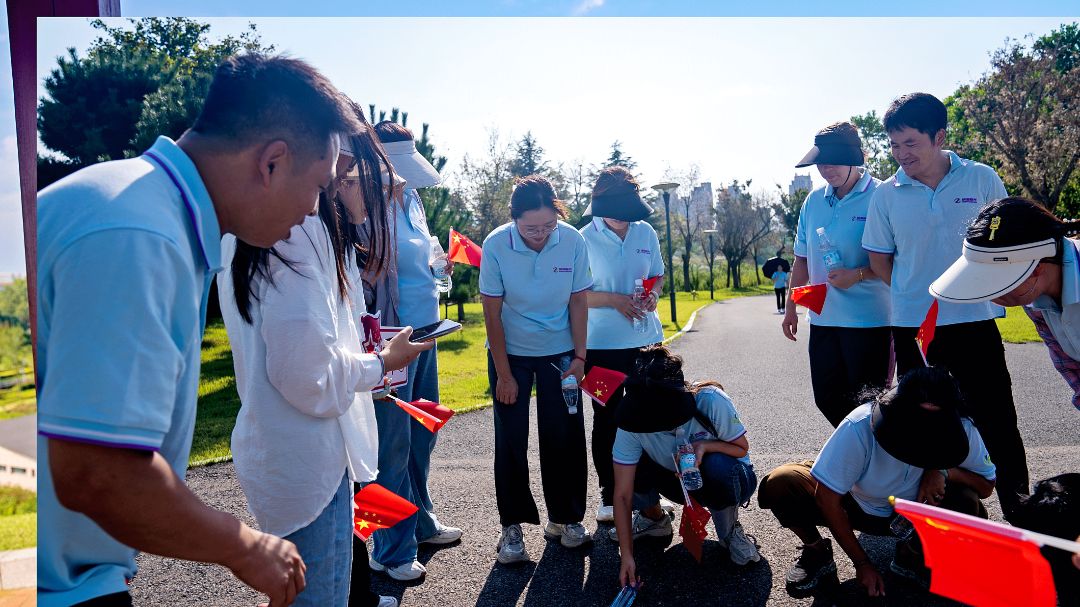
{"points": [[133, 84], [691, 210], [577, 178], [15, 348], [787, 211], [486, 186], [529, 157], [879, 160], [617, 158], [1026, 113], [742, 220]]}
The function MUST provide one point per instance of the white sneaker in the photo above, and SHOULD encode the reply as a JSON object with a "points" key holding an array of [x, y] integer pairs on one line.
{"points": [[742, 548], [570, 535], [605, 514], [445, 535], [645, 526], [511, 546], [387, 601], [404, 572]]}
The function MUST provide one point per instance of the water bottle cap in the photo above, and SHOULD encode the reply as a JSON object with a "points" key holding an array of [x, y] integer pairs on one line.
{"points": [[639, 283]]}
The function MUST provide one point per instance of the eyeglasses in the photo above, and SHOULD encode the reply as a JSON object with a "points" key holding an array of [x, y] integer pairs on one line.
{"points": [[543, 230]]}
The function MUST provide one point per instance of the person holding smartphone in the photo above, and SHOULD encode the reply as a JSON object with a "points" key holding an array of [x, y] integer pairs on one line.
{"points": [[534, 281], [623, 249], [403, 292]]}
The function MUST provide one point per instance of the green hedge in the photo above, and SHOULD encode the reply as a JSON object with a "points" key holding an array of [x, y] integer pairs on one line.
{"points": [[16, 500]]}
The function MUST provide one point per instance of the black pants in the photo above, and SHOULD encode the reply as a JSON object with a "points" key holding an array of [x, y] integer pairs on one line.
{"points": [[603, 429], [117, 599], [360, 593], [563, 469], [843, 361], [973, 353], [781, 298]]}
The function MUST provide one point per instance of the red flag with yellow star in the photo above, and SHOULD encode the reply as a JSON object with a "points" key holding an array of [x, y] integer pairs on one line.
{"points": [[926, 331], [649, 283], [810, 296], [692, 528], [463, 250], [376, 507], [600, 383], [431, 415]]}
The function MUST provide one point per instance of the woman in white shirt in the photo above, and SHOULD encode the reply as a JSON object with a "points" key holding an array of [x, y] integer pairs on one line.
{"points": [[306, 427]]}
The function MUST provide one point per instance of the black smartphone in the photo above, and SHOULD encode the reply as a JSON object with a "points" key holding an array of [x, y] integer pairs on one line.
{"points": [[433, 331]]}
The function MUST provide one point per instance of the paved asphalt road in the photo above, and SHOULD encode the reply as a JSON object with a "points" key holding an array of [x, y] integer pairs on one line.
{"points": [[737, 342]]}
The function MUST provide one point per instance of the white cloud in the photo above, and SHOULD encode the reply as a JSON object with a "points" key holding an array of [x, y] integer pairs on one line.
{"points": [[585, 6], [12, 256]]}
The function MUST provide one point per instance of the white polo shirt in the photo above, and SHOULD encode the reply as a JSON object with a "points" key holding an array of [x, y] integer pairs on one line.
{"points": [[615, 264], [535, 287], [865, 303], [924, 229]]}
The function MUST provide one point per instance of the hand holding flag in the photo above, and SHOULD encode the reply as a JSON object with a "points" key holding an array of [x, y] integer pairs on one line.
{"points": [[600, 383], [376, 507], [810, 296], [463, 250]]}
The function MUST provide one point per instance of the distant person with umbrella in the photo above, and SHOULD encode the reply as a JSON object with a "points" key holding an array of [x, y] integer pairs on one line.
{"points": [[850, 339]]}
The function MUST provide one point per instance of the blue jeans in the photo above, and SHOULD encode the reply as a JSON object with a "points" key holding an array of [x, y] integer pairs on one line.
{"points": [[404, 463], [726, 482], [326, 547]]}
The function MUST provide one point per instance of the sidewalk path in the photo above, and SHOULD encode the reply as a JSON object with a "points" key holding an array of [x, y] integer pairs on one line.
{"points": [[737, 342]]}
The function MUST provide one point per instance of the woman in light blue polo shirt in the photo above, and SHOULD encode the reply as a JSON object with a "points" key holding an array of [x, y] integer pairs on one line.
{"points": [[623, 249], [850, 340], [533, 280]]}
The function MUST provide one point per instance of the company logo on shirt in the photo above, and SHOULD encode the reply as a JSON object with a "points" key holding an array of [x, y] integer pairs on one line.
{"points": [[859, 218], [645, 251], [558, 269], [966, 200]]}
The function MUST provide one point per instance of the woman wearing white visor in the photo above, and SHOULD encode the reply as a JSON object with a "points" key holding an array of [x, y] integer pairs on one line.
{"points": [[1016, 254]]}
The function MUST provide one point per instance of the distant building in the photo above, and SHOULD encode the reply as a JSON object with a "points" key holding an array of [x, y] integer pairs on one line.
{"points": [[18, 452], [800, 182]]}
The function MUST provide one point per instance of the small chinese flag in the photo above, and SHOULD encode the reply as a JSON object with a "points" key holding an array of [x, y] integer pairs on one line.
{"points": [[372, 329], [600, 383], [431, 415], [463, 250], [810, 296], [926, 329], [649, 283], [960, 549], [692, 528], [376, 507]]}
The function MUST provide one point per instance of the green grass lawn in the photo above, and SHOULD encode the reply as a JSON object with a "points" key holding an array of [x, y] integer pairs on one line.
{"points": [[18, 401], [18, 531], [1016, 327], [462, 370]]}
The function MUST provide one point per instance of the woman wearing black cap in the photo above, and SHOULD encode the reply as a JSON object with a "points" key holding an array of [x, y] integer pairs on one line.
{"points": [[1016, 254], [850, 338], [623, 249], [659, 406], [911, 442]]}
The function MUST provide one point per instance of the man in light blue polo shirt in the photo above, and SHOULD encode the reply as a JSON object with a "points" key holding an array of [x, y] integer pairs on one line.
{"points": [[126, 253], [623, 249], [849, 340], [534, 278], [914, 231]]}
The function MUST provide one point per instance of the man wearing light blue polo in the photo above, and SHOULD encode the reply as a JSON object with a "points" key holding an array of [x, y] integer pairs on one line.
{"points": [[534, 278], [914, 231], [623, 249], [849, 340], [126, 253]]}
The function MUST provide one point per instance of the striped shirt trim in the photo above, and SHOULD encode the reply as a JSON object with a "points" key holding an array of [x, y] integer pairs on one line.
{"points": [[877, 250], [90, 441], [585, 288], [73, 433]]}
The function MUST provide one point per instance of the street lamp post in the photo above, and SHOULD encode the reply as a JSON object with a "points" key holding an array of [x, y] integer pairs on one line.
{"points": [[666, 189], [712, 256]]}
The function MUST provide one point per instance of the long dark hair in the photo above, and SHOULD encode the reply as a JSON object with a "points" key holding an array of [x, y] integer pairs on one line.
{"points": [[250, 261]]}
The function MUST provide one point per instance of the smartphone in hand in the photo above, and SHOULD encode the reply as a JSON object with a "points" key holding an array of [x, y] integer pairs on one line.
{"points": [[434, 331]]}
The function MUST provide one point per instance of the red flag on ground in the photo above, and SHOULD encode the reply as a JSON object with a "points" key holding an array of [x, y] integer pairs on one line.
{"points": [[463, 250], [600, 383], [431, 415], [692, 528], [810, 296], [981, 562], [649, 283], [926, 330], [376, 507]]}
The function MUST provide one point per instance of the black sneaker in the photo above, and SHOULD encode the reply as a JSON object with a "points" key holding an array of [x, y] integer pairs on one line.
{"points": [[908, 563], [812, 566]]}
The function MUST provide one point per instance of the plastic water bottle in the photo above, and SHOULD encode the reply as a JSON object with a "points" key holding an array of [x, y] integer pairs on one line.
{"points": [[640, 324], [901, 527], [570, 392], [688, 470], [438, 266], [829, 252]]}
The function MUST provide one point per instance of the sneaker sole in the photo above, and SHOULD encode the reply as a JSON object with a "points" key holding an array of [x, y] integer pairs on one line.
{"points": [[439, 541], [605, 519], [515, 560], [552, 537], [806, 589], [376, 566]]}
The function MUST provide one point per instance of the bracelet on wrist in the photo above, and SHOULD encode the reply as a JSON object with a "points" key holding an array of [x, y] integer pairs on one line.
{"points": [[581, 358]]}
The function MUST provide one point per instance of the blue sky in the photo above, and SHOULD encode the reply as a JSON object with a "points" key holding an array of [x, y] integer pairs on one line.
{"points": [[739, 97]]}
